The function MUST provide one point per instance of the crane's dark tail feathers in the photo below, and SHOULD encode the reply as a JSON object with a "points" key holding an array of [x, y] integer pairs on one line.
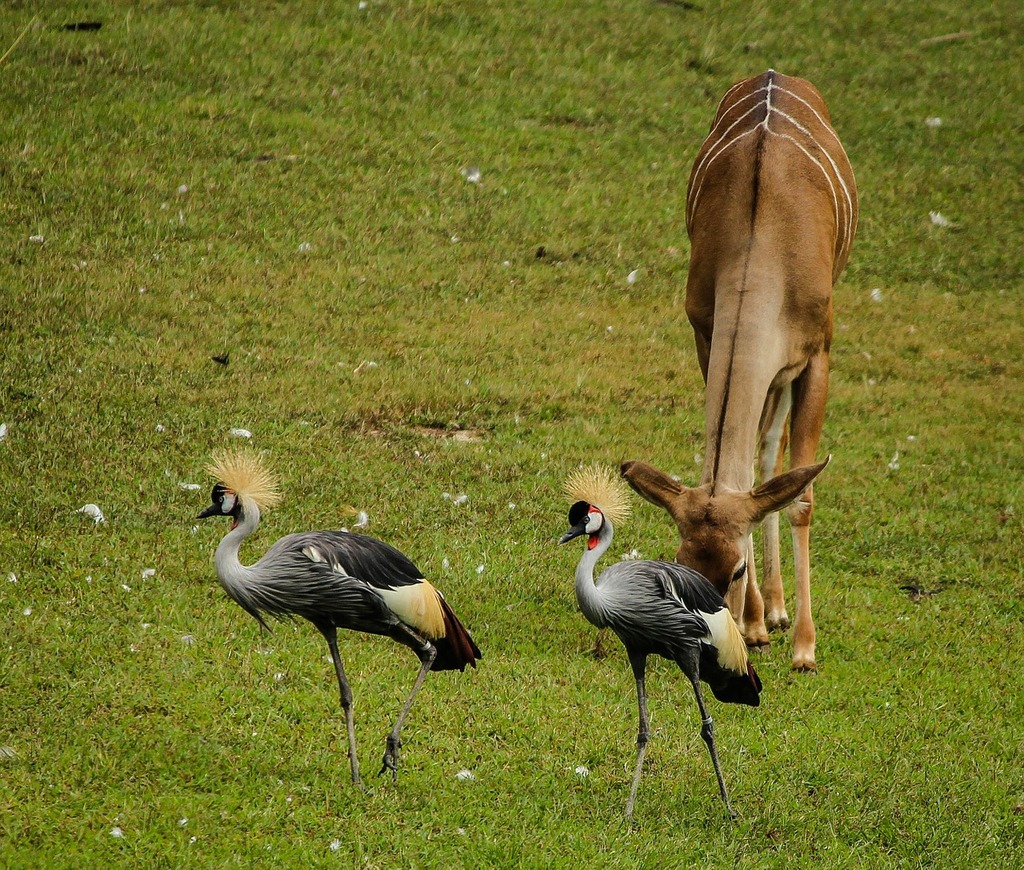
{"points": [[456, 649], [727, 684]]}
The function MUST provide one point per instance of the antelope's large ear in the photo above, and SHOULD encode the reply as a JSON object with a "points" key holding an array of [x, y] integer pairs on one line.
{"points": [[783, 489], [655, 486]]}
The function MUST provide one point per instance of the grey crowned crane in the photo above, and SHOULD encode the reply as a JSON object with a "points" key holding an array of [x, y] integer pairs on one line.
{"points": [[335, 580], [656, 608]]}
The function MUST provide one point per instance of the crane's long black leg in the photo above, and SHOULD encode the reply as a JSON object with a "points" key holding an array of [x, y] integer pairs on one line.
{"points": [[331, 634], [643, 734], [427, 653], [707, 731]]}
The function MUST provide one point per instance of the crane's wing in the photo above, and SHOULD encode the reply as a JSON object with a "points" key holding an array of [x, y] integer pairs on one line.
{"points": [[392, 577], [354, 581], [378, 564], [690, 588], [650, 606], [321, 576]]}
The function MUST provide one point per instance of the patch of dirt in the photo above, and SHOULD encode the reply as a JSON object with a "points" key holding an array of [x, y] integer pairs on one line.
{"points": [[918, 593], [465, 435]]}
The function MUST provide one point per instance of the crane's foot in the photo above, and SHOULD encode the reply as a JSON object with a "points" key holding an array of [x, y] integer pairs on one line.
{"points": [[391, 756]]}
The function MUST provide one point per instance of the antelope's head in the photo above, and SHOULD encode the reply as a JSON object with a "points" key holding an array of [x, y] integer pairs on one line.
{"points": [[714, 525]]}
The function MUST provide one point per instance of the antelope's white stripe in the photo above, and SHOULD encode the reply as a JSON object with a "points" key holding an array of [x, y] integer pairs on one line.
{"points": [[843, 207]]}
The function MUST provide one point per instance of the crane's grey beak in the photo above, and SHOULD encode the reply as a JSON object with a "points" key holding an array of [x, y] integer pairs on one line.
{"points": [[211, 511], [579, 529]]}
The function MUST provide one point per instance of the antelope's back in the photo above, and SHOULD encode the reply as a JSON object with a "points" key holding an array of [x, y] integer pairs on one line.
{"points": [[772, 156]]}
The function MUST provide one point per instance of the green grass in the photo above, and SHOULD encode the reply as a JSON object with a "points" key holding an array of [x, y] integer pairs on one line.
{"points": [[327, 223]]}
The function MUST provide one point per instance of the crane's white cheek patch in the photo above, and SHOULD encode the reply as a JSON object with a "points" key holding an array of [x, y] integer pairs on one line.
{"points": [[227, 503]]}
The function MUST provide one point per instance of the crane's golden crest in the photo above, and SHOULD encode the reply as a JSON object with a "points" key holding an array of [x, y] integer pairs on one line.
{"points": [[243, 472], [601, 487]]}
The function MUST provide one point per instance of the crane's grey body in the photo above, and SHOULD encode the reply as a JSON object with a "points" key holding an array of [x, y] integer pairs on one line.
{"points": [[331, 576], [646, 604], [335, 580], [665, 609]]}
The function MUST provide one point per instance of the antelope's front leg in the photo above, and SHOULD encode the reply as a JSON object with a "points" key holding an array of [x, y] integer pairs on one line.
{"points": [[752, 626], [775, 616], [774, 438], [743, 599]]}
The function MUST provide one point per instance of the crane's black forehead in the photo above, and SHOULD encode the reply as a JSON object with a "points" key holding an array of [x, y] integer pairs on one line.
{"points": [[578, 512], [218, 492]]}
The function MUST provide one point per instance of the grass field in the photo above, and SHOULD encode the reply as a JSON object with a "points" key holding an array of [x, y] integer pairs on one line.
{"points": [[287, 185]]}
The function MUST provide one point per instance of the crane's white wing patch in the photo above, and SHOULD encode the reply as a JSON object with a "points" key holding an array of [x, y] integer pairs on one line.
{"points": [[417, 605], [726, 638]]}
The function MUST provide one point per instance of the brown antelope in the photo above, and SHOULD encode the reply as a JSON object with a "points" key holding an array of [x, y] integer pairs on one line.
{"points": [[771, 211]]}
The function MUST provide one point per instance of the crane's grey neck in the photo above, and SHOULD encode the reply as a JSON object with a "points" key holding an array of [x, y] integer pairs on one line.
{"points": [[588, 595], [232, 574]]}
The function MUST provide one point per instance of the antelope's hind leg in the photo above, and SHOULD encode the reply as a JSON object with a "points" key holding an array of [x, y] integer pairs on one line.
{"points": [[810, 392]]}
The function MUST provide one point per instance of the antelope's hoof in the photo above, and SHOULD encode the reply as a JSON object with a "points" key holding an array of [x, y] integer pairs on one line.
{"points": [[758, 641], [777, 622], [804, 665]]}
